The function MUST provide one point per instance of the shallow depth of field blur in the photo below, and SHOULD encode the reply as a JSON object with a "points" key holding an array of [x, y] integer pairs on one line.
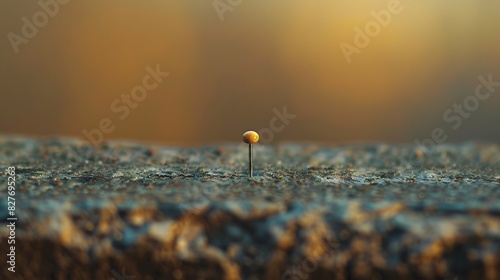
{"points": [[227, 76]]}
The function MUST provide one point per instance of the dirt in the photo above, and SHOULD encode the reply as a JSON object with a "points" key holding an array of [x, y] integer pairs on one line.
{"points": [[128, 210]]}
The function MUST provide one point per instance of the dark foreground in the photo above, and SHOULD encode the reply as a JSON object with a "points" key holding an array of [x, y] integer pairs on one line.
{"points": [[131, 211]]}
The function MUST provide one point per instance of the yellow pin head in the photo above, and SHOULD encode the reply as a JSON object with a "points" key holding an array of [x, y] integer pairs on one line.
{"points": [[250, 137]]}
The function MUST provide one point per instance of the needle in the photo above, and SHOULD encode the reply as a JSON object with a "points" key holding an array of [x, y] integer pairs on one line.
{"points": [[250, 137]]}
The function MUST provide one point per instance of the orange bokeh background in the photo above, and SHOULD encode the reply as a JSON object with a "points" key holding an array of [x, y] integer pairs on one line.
{"points": [[227, 76]]}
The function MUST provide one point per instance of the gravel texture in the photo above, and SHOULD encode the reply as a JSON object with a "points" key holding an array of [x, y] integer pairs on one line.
{"points": [[133, 211]]}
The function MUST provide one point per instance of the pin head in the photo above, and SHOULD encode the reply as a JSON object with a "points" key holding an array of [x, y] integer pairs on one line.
{"points": [[250, 137]]}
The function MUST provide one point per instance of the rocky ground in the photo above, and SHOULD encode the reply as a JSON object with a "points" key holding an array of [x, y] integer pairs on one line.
{"points": [[134, 211]]}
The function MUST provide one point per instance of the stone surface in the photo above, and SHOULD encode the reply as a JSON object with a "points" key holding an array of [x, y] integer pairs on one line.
{"points": [[134, 211]]}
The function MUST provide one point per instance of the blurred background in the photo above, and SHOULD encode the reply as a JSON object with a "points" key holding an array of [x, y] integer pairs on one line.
{"points": [[226, 76]]}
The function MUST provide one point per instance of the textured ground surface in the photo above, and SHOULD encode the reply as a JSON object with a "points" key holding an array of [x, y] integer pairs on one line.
{"points": [[133, 211]]}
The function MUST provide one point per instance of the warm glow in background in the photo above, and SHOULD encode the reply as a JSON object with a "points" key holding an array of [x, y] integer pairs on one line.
{"points": [[227, 76]]}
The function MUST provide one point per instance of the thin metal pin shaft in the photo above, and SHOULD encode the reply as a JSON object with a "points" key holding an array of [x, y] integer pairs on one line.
{"points": [[250, 157]]}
